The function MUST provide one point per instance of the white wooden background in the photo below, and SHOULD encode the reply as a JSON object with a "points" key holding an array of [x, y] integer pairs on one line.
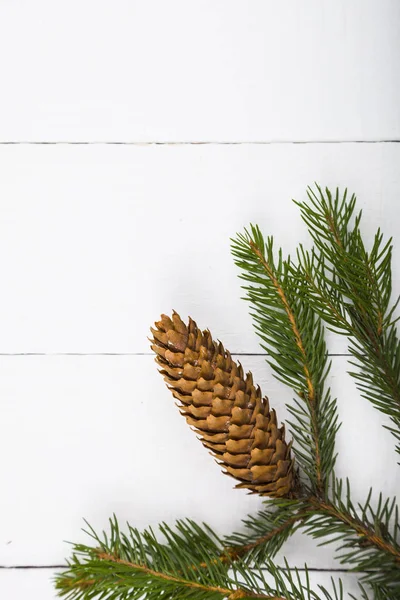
{"points": [[137, 136]]}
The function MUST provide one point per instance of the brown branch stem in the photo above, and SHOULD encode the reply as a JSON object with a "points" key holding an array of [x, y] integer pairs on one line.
{"points": [[240, 551], [225, 592], [311, 396], [360, 528], [314, 505]]}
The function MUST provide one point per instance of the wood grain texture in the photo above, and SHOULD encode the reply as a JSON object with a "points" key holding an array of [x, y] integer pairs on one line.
{"points": [[97, 241], [92, 435], [209, 70]]}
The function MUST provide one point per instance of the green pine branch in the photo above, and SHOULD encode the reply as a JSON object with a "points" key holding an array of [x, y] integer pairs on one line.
{"points": [[367, 536], [293, 336], [265, 532], [285, 306], [192, 562], [350, 288], [187, 564], [376, 592]]}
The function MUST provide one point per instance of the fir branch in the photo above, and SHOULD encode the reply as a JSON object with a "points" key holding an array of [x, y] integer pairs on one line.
{"points": [[351, 289], [376, 592], [266, 532], [133, 564], [368, 536], [293, 336], [137, 565]]}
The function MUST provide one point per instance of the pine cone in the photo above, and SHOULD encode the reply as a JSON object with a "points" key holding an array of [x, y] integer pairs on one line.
{"points": [[224, 407]]}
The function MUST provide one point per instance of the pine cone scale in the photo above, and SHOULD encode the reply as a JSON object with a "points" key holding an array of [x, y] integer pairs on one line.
{"points": [[224, 407]]}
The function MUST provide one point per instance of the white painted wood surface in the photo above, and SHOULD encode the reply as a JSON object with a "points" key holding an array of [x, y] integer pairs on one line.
{"points": [[89, 436], [214, 70], [97, 239]]}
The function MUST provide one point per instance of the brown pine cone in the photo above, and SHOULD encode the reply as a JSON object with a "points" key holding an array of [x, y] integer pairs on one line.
{"points": [[224, 407]]}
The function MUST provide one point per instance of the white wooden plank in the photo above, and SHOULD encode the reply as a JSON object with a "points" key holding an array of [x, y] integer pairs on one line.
{"points": [[97, 241], [38, 584], [21, 584], [90, 436], [205, 70]]}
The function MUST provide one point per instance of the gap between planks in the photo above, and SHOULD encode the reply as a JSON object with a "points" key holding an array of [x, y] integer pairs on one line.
{"points": [[193, 143], [300, 569], [124, 354]]}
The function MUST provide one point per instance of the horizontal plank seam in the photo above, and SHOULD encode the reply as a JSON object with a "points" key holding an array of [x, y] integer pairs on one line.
{"points": [[123, 354], [302, 569], [193, 143]]}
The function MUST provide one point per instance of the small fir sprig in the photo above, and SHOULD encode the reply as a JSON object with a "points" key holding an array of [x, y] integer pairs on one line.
{"points": [[188, 564], [350, 287], [293, 336]]}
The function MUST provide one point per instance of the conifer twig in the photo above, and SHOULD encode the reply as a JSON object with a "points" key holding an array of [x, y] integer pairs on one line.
{"points": [[294, 340], [235, 552], [350, 288], [289, 340], [310, 396], [137, 565], [225, 592], [369, 536]]}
